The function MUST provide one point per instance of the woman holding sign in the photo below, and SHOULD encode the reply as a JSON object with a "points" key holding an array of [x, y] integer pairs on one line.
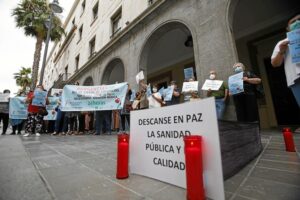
{"points": [[245, 99], [37, 101]]}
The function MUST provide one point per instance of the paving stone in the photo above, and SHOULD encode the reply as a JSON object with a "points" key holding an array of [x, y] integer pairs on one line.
{"points": [[52, 161], [262, 189], [169, 192], [81, 155], [286, 158], [277, 175], [291, 167], [231, 185]]}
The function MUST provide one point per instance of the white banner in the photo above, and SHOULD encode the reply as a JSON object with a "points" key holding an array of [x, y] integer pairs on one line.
{"points": [[157, 147], [190, 86], [212, 84]]}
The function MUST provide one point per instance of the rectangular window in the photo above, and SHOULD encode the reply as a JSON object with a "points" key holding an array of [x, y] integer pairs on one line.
{"points": [[66, 73], [95, 11], [82, 7], [150, 2], [92, 46], [73, 22], [77, 62], [116, 22], [80, 30]]}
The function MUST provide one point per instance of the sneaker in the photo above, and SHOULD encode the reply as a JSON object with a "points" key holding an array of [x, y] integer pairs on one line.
{"points": [[26, 134], [55, 133], [37, 134]]}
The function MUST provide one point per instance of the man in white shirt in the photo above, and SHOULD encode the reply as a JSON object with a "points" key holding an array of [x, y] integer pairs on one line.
{"points": [[292, 70]]}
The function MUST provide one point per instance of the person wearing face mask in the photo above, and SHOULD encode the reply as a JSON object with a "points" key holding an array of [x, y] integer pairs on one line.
{"points": [[155, 100], [175, 96], [245, 102], [282, 54], [220, 95]]}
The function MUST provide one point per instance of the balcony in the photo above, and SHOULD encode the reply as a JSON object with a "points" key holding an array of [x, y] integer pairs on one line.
{"points": [[61, 81]]}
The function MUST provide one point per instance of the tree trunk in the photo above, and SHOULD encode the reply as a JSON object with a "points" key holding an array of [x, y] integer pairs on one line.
{"points": [[36, 62]]}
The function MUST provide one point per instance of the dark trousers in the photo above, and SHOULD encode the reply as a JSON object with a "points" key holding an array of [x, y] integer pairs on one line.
{"points": [[103, 121], [246, 107], [73, 123], [4, 118], [59, 121], [123, 118], [18, 127], [81, 120]]}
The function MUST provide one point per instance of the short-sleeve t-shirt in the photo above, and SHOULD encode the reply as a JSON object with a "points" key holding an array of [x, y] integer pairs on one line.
{"points": [[292, 70], [221, 92]]}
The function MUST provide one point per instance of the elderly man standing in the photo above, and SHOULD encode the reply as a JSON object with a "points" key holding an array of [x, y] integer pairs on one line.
{"points": [[220, 95]]}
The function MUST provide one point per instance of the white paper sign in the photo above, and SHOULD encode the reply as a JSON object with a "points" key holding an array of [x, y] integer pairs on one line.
{"points": [[190, 86], [4, 97], [157, 147], [212, 84], [140, 76]]}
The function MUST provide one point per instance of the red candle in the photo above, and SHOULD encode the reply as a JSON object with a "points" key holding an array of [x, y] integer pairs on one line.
{"points": [[194, 167], [123, 156], [289, 141], [286, 129]]}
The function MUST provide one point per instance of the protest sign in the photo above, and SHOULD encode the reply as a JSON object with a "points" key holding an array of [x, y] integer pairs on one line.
{"points": [[294, 45], [53, 103], [17, 108], [157, 147], [55, 91], [39, 98], [166, 93], [4, 97], [190, 86], [188, 73], [236, 83], [132, 96], [148, 91], [212, 84], [92, 98], [140, 76]]}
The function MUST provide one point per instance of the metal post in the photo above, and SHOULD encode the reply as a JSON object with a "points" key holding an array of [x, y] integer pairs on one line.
{"points": [[46, 49]]}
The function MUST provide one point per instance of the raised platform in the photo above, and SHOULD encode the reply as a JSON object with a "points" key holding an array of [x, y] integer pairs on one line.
{"points": [[240, 143]]}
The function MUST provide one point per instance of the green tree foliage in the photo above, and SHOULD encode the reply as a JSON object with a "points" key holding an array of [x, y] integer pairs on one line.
{"points": [[32, 15]]}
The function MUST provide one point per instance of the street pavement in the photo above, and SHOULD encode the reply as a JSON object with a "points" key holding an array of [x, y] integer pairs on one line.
{"points": [[84, 167]]}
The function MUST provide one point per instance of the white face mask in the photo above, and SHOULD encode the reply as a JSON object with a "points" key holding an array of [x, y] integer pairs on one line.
{"points": [[212, 76], [154, 90]]}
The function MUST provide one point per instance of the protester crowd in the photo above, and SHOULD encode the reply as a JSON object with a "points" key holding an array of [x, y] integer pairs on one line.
{"points": [[148, 96]]}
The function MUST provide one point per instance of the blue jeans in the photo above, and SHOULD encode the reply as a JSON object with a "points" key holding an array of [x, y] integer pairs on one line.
{"points": [[220, 107], [296, 91], [59, 117]]}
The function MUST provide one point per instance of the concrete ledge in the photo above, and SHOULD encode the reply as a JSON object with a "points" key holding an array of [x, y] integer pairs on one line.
{"points": [[240, 143]]}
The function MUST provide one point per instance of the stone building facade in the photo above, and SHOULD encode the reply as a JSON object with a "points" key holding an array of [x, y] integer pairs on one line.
{"points": [[164, 37]]}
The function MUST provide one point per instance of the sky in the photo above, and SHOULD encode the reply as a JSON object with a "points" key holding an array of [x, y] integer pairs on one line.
{"points": [[17, 50]]}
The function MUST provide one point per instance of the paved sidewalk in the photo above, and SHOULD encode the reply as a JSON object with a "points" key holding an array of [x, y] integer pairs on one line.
{"points": [[83, 167]]}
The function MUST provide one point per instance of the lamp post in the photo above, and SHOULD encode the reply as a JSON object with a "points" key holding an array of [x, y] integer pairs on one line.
{"points": [[55, 8]]}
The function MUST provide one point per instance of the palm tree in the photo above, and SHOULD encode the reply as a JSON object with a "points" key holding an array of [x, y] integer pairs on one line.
{"points": [[22, 78], [31, 15]]}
